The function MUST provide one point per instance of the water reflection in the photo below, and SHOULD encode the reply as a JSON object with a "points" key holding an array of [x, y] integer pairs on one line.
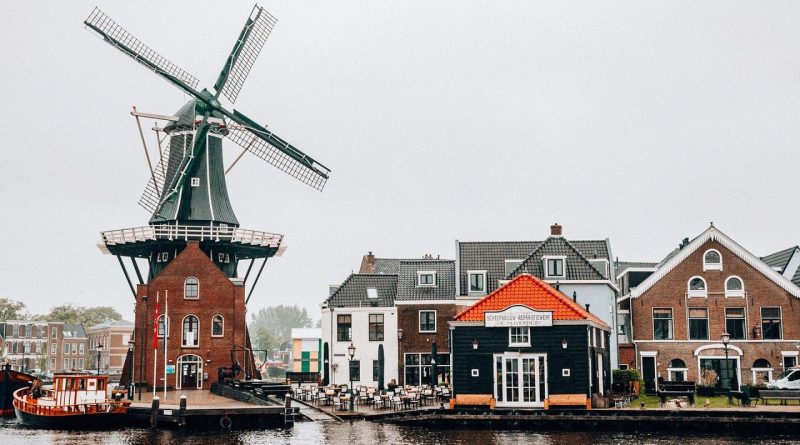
{"points": [[358, 433]]}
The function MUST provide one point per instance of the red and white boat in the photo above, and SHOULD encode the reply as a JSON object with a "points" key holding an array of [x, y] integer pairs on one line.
{"points": [[75, 401]]}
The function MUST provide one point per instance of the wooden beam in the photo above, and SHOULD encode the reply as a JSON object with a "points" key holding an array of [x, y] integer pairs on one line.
{"points": [[127, 277], [252, 288]]}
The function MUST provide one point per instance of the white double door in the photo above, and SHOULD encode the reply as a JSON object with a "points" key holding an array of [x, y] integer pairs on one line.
{"points": [[520, 379]]}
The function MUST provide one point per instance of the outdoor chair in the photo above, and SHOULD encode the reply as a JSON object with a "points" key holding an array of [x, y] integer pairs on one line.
{"points": [[363, 397], [414, 400], [427, 395], [397, 402], [377, 400]]}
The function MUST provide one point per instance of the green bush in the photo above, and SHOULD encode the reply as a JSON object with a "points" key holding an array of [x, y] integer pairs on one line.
{"points": [[625, 376], [276, 372]]}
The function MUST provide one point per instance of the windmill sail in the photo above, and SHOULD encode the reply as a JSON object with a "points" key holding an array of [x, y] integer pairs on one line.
{"points": [[252, 38], [121, 39]]}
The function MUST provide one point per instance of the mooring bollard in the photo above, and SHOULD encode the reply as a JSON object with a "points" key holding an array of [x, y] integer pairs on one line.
{"points": [[182, 413], [154, 412]]}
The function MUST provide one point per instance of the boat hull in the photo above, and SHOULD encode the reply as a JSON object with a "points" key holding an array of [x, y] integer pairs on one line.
{"points": [[73, 421], [11, 381]]}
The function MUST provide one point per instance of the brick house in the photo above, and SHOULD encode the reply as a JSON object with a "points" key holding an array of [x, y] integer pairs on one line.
{"points": [[114, 337], [204, 325], [712, 285]]}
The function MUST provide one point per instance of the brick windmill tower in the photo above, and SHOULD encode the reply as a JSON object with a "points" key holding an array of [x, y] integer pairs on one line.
{"points": [[193, 243]]}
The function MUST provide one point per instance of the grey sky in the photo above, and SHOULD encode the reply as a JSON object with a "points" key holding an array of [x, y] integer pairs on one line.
{"points": [[635, 121]]}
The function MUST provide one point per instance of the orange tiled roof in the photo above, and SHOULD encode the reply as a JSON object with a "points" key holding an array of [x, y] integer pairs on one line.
{"points": [[532, 292]]}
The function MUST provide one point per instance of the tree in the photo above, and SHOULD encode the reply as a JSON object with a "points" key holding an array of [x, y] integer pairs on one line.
{"points": [[273, 325], [89, 316], [12, 309]]}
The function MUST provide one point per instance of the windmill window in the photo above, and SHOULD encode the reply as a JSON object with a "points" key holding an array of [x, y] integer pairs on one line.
{"points": [[223, 258], [195, 182], [161, 327], [191, 288], [217, 326], [190, 332]]}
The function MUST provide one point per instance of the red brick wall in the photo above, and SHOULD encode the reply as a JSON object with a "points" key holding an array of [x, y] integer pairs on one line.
{"points": [[413, 340], [217, 295], [671, 292]]}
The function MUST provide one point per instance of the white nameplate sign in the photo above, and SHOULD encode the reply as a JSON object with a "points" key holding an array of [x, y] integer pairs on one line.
{"points": [[518, 315]]}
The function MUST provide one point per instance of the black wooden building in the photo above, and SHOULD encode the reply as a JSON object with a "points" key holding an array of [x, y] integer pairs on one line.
{"points": [[525, 342]]}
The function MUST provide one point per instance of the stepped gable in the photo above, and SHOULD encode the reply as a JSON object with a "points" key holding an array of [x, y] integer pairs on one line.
{"points": [[534, 293], [577, 266]]}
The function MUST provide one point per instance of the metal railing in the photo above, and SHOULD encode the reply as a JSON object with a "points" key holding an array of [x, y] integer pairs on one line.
{"points": [[191, 233]]}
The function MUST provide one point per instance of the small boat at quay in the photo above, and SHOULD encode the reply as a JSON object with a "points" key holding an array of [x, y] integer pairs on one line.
{"points": [[75, 401], [11, 381]]}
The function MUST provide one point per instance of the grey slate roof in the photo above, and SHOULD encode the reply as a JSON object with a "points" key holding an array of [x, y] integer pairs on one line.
{"points": [[77, 330], [491, 255], [622, 265], [780, 260], [445, 288], [578, 266], [387, 265], [112, 324], [353, 292]]}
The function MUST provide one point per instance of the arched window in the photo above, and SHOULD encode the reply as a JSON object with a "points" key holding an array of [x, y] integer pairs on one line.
{"points": [[697, 287], [677, 370], [734, 287], [191, 288], [761, 363], [762, 371], [161, 325], [191, 332], [712, 260], [217, 326]]}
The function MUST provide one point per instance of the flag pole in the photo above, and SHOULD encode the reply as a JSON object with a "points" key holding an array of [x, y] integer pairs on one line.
{"points": [[166, 309], [155, 347]]}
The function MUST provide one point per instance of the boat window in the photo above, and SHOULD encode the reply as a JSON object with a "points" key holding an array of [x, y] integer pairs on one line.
{"points": [[82, 384], [68, 384]]}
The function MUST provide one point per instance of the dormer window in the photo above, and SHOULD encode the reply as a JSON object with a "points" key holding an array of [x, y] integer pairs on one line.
{"points": [[554, 267], [697, 287], [734, 287], [426, 278], [195, 182], [477, 281], [712, 260], [372, 293]]}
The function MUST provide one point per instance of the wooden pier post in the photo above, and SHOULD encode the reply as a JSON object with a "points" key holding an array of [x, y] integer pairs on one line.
{"points": [[154, 412], [182, 413], [288, 413]]}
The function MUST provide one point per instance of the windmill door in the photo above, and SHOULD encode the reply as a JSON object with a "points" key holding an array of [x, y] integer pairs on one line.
{"points": [[190, 368]]}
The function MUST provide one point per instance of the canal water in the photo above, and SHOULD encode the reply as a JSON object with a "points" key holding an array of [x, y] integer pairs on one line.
{"points": [[360, 432]]}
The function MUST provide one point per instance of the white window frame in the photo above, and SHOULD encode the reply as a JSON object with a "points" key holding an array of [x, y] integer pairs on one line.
{"points": [[183, 332], [522, 334], [547, 258], [684, 371], [223, 326], [696, 292], [672, 326], [419, 321], [505, 265], [166, 325], [734, 292], [197, 297], [372, 293], [470, 273], [195, 182], [712, 266], [420, 273]]}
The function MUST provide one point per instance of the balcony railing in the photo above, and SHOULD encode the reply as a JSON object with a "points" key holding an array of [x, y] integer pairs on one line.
{"points": [[191, 233]]}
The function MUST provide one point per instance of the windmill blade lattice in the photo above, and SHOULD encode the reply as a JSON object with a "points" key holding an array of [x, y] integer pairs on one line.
{"points": [[279, 159], [118, 37], [151, 196], [245, 53]]}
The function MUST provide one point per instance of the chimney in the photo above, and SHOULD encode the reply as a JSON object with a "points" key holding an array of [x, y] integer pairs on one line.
{"points": [[587, 307], [575, 296], [555, 230]]}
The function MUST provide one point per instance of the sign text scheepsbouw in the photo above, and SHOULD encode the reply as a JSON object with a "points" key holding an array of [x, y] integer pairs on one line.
{"points": [[517, 316]]}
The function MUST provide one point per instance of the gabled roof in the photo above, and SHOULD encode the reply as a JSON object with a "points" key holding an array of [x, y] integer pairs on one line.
{"points": [[713, 234], [577, 266], [784, 259], [353, 292], [445, 288], [77, 330], [534, 293]]}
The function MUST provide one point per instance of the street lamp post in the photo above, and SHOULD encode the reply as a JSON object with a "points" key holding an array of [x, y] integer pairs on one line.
{"points": [[351, 351], [99, 350], [132, 355], [725, 339]]}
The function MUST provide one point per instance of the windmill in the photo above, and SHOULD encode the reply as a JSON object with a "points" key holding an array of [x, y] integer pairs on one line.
{"points": [[186, 194], [191, 217]]}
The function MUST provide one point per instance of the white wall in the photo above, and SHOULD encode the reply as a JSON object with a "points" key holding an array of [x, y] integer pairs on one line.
{"points": [[366, 351], [601, 299]]}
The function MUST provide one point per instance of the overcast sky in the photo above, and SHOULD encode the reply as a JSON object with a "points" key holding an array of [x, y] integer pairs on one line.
{"points": [[633, 121]]}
